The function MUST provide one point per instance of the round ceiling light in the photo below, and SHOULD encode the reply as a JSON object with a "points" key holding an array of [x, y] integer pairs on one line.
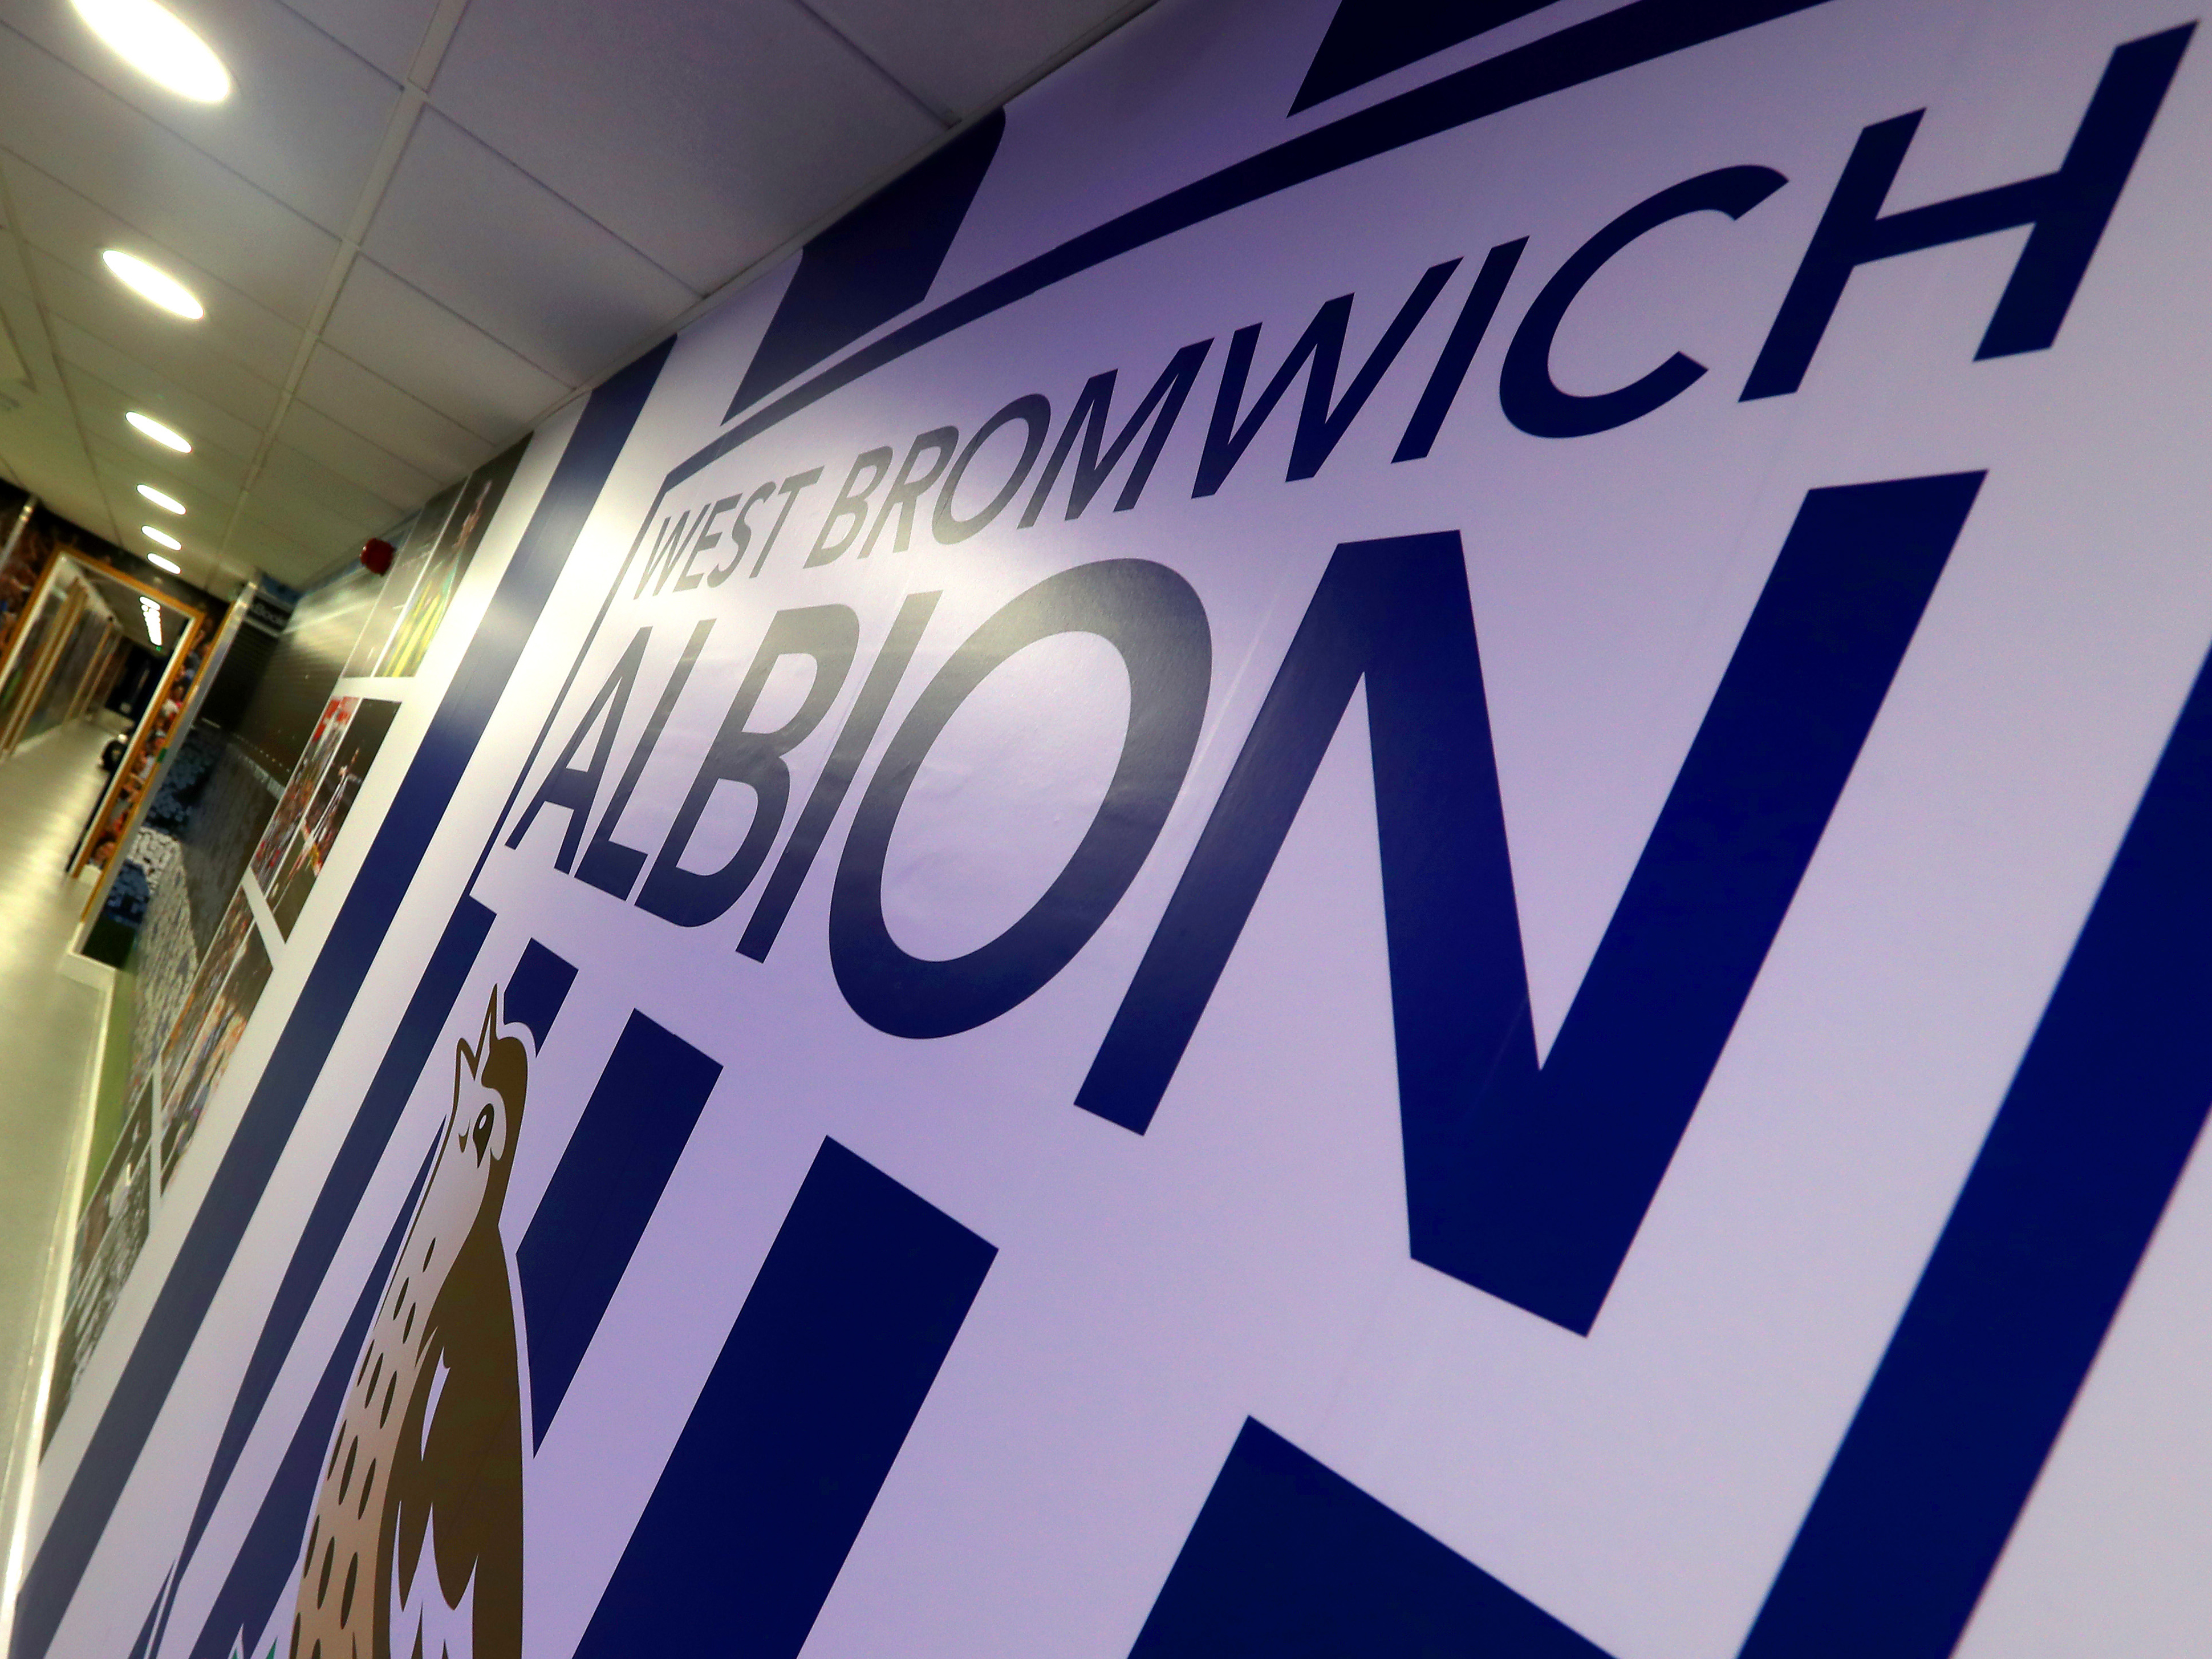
{"points": [[162, 536], [153, 284], [167, 437], [161, 46], [169, 565], [162, 499]]}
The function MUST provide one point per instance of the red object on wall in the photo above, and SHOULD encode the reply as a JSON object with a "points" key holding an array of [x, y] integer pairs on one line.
{"points": [[377, 556]]}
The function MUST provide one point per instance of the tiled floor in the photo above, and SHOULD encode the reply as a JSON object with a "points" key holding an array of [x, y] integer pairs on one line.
{"points": [[50, 1039]]}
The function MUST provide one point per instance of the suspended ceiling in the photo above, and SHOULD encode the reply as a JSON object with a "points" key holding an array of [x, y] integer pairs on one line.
{"points": [[123, 606], [419, 226]]}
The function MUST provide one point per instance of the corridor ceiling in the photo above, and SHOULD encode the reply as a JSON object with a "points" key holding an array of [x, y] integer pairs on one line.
{"points": [[122, 604], [418, 226]]}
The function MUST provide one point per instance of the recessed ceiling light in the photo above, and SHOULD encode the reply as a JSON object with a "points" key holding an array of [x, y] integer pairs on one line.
{"points": [[169, 565], [162, 499], [153, 284], [167, 437], [161, 46], [162, 536], [152, 613]]}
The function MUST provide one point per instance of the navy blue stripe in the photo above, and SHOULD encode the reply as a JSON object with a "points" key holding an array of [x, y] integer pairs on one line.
{"points": [[1535, 1182], [1994, 1346], [1530, 1183], [1635, 33], [417, 809], [1289, 1560], [1369, 39], [536, 990], [877, 261], [2015, 1300], [144, 1644], [585, 1228], [263, 1570], [823, 1372]]}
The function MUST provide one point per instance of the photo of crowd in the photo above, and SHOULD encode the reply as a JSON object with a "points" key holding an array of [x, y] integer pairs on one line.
{"points": [[109, 1235], [292, 807], [223, 996], [354, 752]]}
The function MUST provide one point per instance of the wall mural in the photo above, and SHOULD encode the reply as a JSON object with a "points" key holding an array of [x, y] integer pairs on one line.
{"points": [[1385, 838], [195, 1003]]}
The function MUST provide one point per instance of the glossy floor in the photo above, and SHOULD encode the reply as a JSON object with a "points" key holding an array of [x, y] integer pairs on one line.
{"points": [[50, 1040]]}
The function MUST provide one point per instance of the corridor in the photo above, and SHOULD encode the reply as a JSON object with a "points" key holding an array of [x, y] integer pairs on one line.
{"points": [[53, 1031]]}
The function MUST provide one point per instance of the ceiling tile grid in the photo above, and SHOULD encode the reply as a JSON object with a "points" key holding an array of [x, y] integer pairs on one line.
{"points": [[397, 485], [191, 205], [401, 423], [387, 33], [475, 233], [418, 227], [398, 332], [303, 123], [968, 58], [717, 130]]}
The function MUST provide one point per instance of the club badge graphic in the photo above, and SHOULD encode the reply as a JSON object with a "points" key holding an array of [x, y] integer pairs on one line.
{"points": [[415, 1548], [1299, 948]]}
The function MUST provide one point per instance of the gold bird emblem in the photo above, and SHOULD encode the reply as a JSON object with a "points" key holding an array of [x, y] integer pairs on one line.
{"points": [[415, 1546]]}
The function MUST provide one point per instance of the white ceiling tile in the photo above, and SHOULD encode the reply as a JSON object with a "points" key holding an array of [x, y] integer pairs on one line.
{"points": [[220, 384], [294, 485], [423, 349], [304, 122], [475, 233], [403, 424], [208, 475], [37, 425], [251, 539], [13, 272], [716, 131], [387, 32], [277, 551], [189, 408], [80, 506], [14, 371], [235, 329], [102, 404], [313, 538], [43, 456], [26, 327], [49, 410], [132, 540], [355, 458], [287, 563], [196, 211], [207, 497], [245, 383], [284, 552], [314, 526], [965, 55]]}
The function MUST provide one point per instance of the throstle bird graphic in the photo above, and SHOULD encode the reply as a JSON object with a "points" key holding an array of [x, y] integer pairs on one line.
{"points": [[434, 1413]]}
